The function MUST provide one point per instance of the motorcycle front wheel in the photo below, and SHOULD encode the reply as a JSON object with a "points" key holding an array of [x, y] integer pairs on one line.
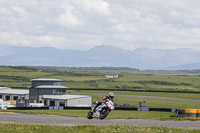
{"points": [[89, 116], [104, 113]]}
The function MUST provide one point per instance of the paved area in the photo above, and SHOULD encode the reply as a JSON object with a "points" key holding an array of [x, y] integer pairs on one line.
{"points": [[72, 121], [149, 97]]}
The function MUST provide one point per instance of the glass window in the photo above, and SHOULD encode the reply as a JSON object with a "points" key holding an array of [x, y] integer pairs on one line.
{"points": [[56, 83], [15, 97], [54, 92], [58, 92], [22, 101], [7, 97], [52, 103]]}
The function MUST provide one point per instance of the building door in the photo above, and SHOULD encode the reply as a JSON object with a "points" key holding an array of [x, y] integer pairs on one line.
{"points": [[52, 103], [45, 102]]}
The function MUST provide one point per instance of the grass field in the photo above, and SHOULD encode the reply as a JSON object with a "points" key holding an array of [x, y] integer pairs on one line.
{"points": [[156, 94], [20, 77], [19, 128]]}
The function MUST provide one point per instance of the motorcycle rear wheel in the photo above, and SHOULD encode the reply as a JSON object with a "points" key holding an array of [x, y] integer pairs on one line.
{"points": [[104, 113]]}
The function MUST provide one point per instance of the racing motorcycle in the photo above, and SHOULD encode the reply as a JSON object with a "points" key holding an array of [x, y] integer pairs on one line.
{"points": [[101, 111]]}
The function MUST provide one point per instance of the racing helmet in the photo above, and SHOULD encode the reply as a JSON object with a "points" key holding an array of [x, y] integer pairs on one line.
{"points": [[111, 95]]}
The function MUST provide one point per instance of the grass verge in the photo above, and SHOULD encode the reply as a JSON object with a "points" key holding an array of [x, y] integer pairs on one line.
{"points": [[20, 128]]}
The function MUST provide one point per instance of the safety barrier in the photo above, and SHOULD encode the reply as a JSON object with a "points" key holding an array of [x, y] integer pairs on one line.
{"points": [[88, 108], [192, 113], [56, 107], [198, 113]]}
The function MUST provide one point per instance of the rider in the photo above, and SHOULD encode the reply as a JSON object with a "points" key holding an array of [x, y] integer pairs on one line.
{"points": [[109, 97], [104, 99]]}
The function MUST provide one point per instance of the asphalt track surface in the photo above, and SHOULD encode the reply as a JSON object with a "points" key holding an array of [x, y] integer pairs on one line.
{"points": [[73, 121], [148, 97]]}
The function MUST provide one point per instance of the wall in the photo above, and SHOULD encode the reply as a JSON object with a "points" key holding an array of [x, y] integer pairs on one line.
{"points": [[87, 101]]}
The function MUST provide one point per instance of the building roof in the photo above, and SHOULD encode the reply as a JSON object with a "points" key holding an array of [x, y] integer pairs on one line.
{"points": [[51, 86], [64, 97], [50, 80], [14, 91], [3, 88]]}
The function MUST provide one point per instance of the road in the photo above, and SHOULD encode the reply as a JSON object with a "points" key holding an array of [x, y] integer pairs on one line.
{"points": [[148, 97], [72, 121]]}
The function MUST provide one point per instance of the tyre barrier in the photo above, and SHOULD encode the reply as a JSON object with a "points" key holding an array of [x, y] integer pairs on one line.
{"points": [[88, 108], [192, 113], [198, 113]]}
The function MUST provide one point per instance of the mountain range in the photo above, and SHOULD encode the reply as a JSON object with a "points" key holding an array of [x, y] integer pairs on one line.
{"points": [[143, 58]]}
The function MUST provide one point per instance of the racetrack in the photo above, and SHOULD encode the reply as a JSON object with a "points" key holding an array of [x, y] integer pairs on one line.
{"points": [[148, 97], [72, 121]]}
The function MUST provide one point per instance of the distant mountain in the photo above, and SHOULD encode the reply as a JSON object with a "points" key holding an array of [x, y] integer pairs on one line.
{"points": [[187, 66], [142, 58]]}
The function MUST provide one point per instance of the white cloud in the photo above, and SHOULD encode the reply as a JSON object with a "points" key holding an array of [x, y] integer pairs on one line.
{"points": [[137, 14], [68, 19], [21, 11], [82, 24], [5, 11], [94, 6], [120, 27]]}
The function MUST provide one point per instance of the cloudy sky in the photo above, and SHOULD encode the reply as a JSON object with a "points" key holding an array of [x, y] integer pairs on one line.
{"points": [[83, 24]]}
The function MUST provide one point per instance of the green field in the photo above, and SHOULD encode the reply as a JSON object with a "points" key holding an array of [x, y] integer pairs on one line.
{"points": [[20, 77], [192, 96], [19, 128]]}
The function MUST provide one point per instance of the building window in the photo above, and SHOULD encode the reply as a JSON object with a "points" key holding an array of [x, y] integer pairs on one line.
{"points": [[7, 97], [58, 92], [0, 96], [21, 101], [15, 97], [62, 104], [52, 103], [54, 92], [56, 83]]}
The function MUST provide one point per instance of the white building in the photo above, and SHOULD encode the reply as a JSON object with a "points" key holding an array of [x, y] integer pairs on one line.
{"points": [[45, 91], [13, 94], [112, 76], [67, 100]]}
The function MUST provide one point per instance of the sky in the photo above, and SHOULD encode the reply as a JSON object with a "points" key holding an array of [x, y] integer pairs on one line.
{"points": [[84, 24]]}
